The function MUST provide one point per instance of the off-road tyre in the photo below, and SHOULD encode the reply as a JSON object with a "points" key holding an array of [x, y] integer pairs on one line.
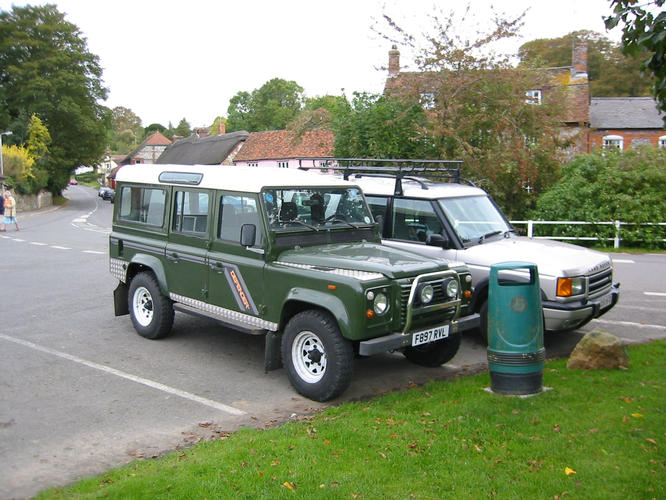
{"points": [[435, 353], [318, 359], [151, 312]]}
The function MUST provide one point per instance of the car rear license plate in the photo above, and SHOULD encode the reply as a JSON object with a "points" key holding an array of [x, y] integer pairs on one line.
{"points": [[425, 336], [606, 301]]}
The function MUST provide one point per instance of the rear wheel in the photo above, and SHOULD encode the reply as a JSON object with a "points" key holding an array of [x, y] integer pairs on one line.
{"points": [[317, 357], [435, 353], [151, 312]]}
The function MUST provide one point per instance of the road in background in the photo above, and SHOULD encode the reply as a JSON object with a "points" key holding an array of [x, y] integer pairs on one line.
{"points": [[82, 392]]}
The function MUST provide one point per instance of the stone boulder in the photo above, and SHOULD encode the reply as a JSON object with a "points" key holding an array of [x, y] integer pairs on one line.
{"points": [[598, 349]]}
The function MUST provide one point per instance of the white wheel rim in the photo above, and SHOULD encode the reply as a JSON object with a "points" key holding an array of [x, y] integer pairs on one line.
{"points": [[143, 306], [309, 357]]}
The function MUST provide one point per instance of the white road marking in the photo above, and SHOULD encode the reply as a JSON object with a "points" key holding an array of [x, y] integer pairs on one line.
{"points": [[128, 376], [37, 243], [94, 252], [60, 248], [655, 294], [629, 323], [623, 261]]}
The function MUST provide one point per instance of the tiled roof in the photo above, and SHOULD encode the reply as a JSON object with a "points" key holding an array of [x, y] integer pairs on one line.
{"points": [[625, 112], [211, 150], [283, 145], [156, 139]]}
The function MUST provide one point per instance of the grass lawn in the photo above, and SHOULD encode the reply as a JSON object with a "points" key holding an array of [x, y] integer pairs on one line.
{"points": [[594, 435]]}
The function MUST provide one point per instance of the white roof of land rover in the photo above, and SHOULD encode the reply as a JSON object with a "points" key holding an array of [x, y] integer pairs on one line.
{"points": [[231, 178]]}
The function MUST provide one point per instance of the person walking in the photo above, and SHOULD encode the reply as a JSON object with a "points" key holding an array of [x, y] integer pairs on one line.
{"points": [[9, 216]]}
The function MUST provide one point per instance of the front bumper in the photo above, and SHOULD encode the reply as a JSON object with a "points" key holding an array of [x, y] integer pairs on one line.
{"points": [[561, 317], [397, 341]]}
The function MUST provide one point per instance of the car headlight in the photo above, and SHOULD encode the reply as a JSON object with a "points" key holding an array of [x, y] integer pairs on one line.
{"points": [[380, 304], [426, 293], [452, 289], [568, 287]]}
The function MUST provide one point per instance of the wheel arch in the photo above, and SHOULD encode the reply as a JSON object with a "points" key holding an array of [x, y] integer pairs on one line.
{"points": [[141, 263], [300, 299]]}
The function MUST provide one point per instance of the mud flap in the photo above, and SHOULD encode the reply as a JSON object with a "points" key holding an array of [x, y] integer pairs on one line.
{"points": [[272, 356], [120, 299]]}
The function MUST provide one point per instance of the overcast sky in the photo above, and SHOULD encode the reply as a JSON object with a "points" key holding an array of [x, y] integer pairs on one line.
{"points": [[169, 59]]}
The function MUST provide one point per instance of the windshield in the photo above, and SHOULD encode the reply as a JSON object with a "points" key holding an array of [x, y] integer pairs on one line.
{"points": [[315, 208], [474, 217]]}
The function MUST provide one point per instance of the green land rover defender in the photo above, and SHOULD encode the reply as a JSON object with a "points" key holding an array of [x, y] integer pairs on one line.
{"points": [[288, 254]]}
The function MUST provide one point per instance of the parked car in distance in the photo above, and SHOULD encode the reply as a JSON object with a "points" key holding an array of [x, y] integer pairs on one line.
{"points": [[457, 221], [109, 194], [286, 254], [101, 190], [73, 182]]}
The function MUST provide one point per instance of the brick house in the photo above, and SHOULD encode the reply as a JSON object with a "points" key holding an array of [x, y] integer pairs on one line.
{"points": [[594, 122], [281, 148], [625, 123], [148, 151]]}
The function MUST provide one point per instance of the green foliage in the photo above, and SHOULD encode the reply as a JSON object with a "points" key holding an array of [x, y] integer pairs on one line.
{"points": [[644, 36], [126, 131], [46, 69], [606, 186], [597, 434], [183, 129], [154, 127], [25, 167], [376, 126], [610, 72], [271, 107]]}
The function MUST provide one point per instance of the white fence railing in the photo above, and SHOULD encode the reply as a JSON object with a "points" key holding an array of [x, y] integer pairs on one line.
{"points": [[616, 239]]}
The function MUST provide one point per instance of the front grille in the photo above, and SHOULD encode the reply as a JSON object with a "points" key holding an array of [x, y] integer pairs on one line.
{"points": [[600, 281], [433, 317]]}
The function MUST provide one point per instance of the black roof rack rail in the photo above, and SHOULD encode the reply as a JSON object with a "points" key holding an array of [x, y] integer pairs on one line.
{"points": [[397, 169]]}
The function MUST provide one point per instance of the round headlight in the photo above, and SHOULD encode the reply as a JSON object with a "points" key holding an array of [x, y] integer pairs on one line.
{"points": [[380, 304], [426, 294], [452, 288]]}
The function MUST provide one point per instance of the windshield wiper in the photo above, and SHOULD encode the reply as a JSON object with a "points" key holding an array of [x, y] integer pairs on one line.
{"points": [[488, 235], [339, 219], [296, 221]]}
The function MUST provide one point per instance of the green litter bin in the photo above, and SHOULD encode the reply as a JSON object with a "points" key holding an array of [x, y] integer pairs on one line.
{"points": [[515, 329]]}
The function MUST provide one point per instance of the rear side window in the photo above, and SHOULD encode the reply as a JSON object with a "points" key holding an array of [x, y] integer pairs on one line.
{"points": [[190, 212], [140, 204]]}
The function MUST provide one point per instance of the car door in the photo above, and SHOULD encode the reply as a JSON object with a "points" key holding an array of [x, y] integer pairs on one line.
{"points": [[236, 273], [187, 247]]}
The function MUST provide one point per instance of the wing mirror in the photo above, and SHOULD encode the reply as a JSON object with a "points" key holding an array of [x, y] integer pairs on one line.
{"points": [[437, 240], [248, 235]]}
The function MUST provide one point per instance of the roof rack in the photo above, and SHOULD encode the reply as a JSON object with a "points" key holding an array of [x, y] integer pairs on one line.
{"points": [[397, 169]]}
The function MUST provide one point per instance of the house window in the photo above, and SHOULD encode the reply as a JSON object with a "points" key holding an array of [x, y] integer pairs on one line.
{"points": [[533, 97], [661, 144], [252, 164], [613, 142], [283, 164]]}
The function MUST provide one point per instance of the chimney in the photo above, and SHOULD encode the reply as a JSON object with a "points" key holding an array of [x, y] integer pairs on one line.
{"points": [[579, 59], [221, 128], [394, 61]]}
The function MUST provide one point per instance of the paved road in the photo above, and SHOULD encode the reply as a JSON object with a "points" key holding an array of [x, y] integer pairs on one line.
{"points": [[81, 392]]}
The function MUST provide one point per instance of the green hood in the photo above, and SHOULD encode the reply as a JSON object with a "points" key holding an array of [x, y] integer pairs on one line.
{"points": [[368, 257]]}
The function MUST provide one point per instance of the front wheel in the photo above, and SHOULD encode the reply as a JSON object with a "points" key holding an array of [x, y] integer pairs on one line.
{"points": [[435, 353], [317, 357], [151, 312]]}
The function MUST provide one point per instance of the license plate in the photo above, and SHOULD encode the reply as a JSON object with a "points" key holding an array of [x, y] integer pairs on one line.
{"points": [[425, 336], [605, 301]]}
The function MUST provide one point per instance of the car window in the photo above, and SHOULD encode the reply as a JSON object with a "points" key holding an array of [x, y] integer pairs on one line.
{"points": [[139, 204], [377, 205], [190, 212], [234, 212], [414, 220], [473, 216]]}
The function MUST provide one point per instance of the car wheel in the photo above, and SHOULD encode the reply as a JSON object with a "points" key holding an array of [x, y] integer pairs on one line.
{"points": [[317, 357], [151, 312], [435, 353]]}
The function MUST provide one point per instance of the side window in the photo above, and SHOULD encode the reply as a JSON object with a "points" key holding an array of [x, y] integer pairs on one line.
{"points": [[234, 212], [414, 220], [377, 205], [139, 204], [190, 212]]}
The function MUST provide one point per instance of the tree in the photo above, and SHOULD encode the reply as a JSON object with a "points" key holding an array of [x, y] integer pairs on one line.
{"points": [[644, 35], [607, 186], [476, 109], [183, 129], [47, 70], [610, 72], [154, 127], [127, 131], [271, 107], [220, 123]]}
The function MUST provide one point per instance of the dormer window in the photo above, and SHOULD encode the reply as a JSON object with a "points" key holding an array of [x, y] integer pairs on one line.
{"points": [[613, 142], [533, 97]]}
